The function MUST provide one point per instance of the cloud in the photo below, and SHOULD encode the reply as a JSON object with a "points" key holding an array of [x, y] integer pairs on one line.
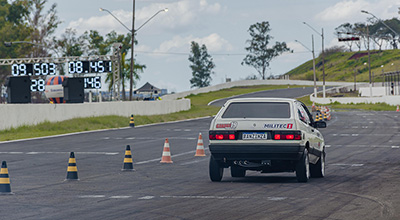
{"points": [[213, 42], [350, 10], [181, 14]]}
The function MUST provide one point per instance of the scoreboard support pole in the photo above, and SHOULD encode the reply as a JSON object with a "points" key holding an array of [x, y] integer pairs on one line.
{"points": [[116, 70]]}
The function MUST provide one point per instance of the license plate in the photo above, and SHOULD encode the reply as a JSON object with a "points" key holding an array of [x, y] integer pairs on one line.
{"points": [[255, 135]]}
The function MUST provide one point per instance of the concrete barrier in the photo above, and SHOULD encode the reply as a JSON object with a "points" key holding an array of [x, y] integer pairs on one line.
{"points": [[390, 100], [15, 115]]}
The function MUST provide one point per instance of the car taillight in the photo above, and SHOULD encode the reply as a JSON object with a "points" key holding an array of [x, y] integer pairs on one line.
{"points": [[296, 135], [223, 135]]}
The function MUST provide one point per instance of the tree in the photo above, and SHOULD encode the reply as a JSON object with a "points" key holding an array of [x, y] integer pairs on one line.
{"points": [[97, 44], [378, 32], [13, 27], [345, 29], [43, 25], [260, 55], [70, 44], [202, 65]]}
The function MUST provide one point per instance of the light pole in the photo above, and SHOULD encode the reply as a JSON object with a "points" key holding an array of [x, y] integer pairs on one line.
{"points": [[133, 32], [369, 58], [323, 57], [313, 54], [9, 44], [366, 12]]}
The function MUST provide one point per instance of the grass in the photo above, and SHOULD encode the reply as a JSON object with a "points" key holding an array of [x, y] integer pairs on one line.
{"points": [[341, 66], [199, 108]]}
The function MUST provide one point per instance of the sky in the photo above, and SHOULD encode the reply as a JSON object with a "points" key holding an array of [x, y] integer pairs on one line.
{"points": [[222, 25]]}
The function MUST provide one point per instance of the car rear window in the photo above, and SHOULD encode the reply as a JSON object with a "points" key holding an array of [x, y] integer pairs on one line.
{"points": [[257, 110]]}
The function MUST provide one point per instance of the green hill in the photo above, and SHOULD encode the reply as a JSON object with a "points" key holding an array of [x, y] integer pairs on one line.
{"points": [[340, 66]]}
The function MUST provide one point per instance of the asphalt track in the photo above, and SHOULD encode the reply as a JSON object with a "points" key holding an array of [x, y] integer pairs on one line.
{"points": [[277, 93], [362, 176]]}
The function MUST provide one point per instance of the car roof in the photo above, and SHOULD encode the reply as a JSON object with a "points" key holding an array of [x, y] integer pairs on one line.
{"points": [[260, 100]]}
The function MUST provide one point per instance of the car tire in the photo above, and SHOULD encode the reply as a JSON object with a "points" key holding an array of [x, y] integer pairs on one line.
{"points": [[237, 171], [303, 168], [215, 170], [318, 170]]}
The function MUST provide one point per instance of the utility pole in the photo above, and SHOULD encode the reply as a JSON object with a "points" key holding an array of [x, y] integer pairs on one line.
{"points": [[315, 77], [323, 65], [132, 53], [369, 64]]}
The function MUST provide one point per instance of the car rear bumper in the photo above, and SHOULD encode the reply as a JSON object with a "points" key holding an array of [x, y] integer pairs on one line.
{"points": [[256, 152]]}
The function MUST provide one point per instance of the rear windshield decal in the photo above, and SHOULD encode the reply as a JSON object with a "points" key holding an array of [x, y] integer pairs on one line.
{"points": [[286, 126], [231, 125]]}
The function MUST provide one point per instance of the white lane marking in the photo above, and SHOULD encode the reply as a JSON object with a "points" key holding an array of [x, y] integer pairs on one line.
{"points": [[76, 152], [276, 198], [327, 145], [11, 152], [92, 196], [357, 165], [346, 164], [120, 197], [366, 146], [148, 161], [159, 159], [114, 153], [395, 147], [146, 197], [206, 197], [192, 162], [356, 135]]}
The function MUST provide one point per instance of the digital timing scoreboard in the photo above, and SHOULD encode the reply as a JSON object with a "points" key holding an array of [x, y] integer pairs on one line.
{"points": [[38, 72]]}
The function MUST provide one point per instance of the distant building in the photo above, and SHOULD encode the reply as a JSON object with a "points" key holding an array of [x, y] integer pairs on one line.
{"points": [[149, 92]]}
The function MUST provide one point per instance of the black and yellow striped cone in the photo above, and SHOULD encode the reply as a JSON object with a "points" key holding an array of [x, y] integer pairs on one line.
{"points": [[72, 171], [5, 187], [128, 162], [132, 122]]}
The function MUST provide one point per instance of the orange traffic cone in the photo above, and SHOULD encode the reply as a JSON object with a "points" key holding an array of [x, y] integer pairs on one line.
{"points": [[397, 109], [128, 161], [5, 187], [200, 147], [166, 155]]}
